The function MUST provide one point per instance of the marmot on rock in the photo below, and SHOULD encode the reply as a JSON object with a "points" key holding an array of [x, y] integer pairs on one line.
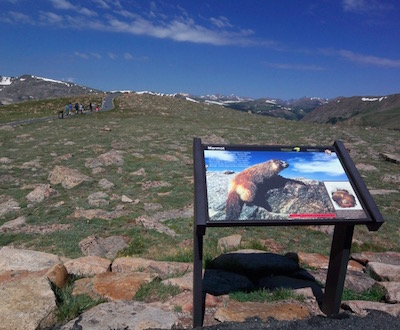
{"points": [[245, 185]]}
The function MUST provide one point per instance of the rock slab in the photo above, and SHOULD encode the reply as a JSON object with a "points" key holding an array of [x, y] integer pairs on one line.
{"points": [[123, 315], [239, 312], [16, 259], [27, 303]]}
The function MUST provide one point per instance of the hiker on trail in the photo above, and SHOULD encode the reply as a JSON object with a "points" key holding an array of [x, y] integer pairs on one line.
{"points": [[80, 108], [70, 107], [91, 106], [76, 107], [97, 108], [67, 110]]}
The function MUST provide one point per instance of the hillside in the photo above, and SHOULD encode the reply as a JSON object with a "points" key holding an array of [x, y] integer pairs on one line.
{"points": [[28, 88], [127, 174], [153, 136], [292, 110], [382, 111]]}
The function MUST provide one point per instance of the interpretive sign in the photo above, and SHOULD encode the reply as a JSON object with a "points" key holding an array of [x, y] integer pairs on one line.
{"points": [[246, 185]]}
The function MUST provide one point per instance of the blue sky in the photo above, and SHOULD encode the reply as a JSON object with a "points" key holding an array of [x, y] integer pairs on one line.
{"points": [[312, 165], [281, 49]]}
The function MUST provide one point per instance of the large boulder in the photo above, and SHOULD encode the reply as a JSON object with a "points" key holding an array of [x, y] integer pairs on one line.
{"points": [[69, 178], [123, 315], [103, 247], [17, 259], [40, 193], [238, 312], [162, 268], [27, 303], [88, 266]]}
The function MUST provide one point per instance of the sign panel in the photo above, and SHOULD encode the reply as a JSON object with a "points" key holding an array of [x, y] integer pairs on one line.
{"points": [[251, 184]]}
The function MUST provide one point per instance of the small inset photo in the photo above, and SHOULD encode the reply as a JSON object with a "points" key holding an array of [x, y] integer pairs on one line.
{"points": [[342, 196]]}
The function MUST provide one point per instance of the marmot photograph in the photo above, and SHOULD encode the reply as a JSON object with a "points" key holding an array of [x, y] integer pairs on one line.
{"points": [[278, 185]]}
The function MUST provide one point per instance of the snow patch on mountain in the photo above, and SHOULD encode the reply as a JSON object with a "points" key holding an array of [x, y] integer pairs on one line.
{"points": [[5, 81], [51, 80]]}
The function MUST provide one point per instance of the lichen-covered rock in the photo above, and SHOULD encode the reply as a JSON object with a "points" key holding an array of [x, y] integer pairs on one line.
{"points": [[27, 303], [69, 178]]}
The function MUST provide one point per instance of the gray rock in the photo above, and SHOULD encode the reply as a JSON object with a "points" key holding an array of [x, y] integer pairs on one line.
{"points": [[113, 157], [105, 184], [16, 259], [123, 315], [8, 205], [358, 282], [27, 303], [362, 307], [88, 266], [391, 157], [40, 193], [392, 289], [69, 178], [12, 224], [390, 257], [366, 167], [384, 272], [229, 243], [98, 199], [103, 247]]}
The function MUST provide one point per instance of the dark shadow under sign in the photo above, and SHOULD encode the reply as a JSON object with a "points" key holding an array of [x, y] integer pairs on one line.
{"points": [[246, 185]]}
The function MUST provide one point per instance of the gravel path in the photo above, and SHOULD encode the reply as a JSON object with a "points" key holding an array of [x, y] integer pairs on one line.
{"points": [[374, 320]]}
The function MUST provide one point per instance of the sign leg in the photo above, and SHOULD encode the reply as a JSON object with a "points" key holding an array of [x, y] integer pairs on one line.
{"points": [[198, 299], [338, 260]]}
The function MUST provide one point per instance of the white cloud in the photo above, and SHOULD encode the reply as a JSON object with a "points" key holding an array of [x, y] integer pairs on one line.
{"points": [[180, 29], [81, 55], [128, 56], [112, 56], [320, 163], [96, 55], [102, 4], [365, 6], [17, 17], [50, 18], [369, 60], [217, 31], [62, 4], [221, 22], [66, 5], [294, 66]]}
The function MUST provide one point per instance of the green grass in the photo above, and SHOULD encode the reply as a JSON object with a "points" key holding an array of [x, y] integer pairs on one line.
{"points": [[156, 291], [70, 306], [373, 294], [264, 295], [147, 130], [43, 108]]}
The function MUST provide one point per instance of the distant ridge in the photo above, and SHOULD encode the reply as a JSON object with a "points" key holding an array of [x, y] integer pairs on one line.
{"points": [[376, 111], [28, 87]]}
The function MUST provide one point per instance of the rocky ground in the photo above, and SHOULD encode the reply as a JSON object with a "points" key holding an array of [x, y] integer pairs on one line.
{"points": [[29, 302], [50, 181]]}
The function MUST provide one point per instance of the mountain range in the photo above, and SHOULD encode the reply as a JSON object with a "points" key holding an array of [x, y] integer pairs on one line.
{"points": [[375, 111], [28, 88]]}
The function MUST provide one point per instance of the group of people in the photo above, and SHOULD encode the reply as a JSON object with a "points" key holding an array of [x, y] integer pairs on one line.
{"points": [[79, 108]]}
